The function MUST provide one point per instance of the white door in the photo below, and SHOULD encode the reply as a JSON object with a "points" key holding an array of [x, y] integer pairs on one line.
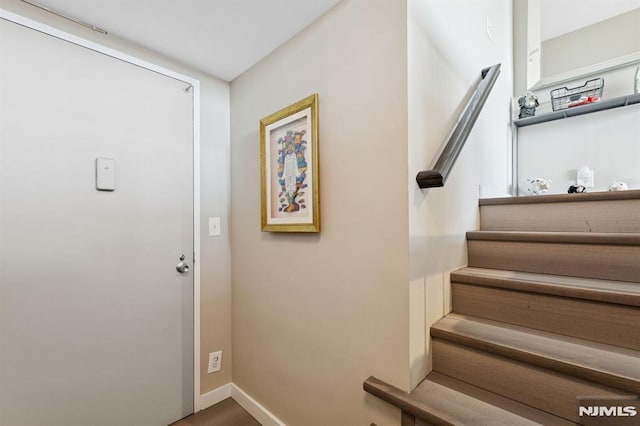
{"points": [[96, 323]]}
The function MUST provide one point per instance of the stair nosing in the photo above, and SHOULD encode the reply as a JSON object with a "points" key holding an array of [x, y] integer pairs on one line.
{"points": [[563, 198], [603, 374], [426, 401], [406, 401], [601, 238], [532, 282], [457, 387]]}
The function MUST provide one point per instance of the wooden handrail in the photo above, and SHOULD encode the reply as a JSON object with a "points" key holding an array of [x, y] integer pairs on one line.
{"points": [[438, 175]]}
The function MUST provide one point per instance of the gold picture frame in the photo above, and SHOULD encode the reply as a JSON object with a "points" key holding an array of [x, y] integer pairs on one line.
{"points": [[289, 168]]}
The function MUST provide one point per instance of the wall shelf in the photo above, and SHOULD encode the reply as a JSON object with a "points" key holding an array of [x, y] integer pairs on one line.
{"points": [[585, 109]]}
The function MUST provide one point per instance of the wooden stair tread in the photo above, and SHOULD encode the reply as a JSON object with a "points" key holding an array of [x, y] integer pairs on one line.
{"points": [[563, 198], [439, 399], [604, 364], [473, 405], [603, 238], [618, 292]]}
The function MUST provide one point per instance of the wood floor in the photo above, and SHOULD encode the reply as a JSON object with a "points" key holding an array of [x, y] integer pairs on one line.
{"points": [[225, 413]]}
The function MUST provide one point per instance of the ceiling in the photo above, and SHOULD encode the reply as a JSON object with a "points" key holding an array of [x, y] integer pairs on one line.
{"points": [[223, 38], [564, 16]]}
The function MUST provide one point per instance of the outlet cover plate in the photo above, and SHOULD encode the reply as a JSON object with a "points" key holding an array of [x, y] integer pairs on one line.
{"points": [[586, 179], [215, 362]]}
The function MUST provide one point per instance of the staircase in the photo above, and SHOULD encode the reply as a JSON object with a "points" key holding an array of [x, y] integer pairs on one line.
{"points": [[546, 311]]}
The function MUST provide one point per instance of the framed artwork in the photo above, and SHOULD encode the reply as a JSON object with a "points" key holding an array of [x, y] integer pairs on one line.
{"points": [[289, 168]]}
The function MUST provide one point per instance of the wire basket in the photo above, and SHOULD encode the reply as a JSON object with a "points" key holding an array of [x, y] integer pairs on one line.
{"points": [[590, 92]]}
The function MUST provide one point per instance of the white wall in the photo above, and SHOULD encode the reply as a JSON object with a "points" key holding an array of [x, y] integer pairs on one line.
{"points": [[215, 252], [606, 141], [315, 315], [447, 48], [602, 41]]}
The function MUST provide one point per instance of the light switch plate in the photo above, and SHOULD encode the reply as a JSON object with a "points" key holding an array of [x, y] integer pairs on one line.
{"points": [[489, 29], [214, 227], [105, 174]]}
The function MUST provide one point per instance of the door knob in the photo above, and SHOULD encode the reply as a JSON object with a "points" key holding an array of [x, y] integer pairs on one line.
{"points": [[182, 267]]}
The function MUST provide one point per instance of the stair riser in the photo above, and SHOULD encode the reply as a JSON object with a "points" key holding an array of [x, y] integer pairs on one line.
{"points": [[519, 381], [616, 325], [595, 216], [613, 262]]}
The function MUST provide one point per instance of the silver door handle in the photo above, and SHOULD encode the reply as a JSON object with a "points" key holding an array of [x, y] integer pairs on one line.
{"points": [[182, 267]]}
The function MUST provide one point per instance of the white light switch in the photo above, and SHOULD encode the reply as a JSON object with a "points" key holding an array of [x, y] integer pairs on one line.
{"points": [[105, 174], [214, 226]]}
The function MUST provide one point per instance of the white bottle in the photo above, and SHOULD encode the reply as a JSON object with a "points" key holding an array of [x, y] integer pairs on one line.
{"points": [[636, 86]]}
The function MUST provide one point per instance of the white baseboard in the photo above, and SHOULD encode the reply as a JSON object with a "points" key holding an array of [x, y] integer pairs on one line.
{"points": [[213, 397], [254, 408]]}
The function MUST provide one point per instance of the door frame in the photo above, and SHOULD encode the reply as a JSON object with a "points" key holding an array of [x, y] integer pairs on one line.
{"points": [[195, 86]]}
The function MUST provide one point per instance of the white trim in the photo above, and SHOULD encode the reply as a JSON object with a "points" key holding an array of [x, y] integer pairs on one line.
{"points": [[196, 246], [253, 407], [195, 83], [213, 397], [62, 35]]}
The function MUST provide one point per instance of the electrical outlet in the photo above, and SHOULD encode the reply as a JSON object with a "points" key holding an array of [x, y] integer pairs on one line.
{"points": [[585, 177], [589, 182], [215, 362]]}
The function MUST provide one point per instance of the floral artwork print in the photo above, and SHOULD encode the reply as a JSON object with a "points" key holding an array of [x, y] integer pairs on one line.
{"points": [[289, 168], [292, 171]]}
